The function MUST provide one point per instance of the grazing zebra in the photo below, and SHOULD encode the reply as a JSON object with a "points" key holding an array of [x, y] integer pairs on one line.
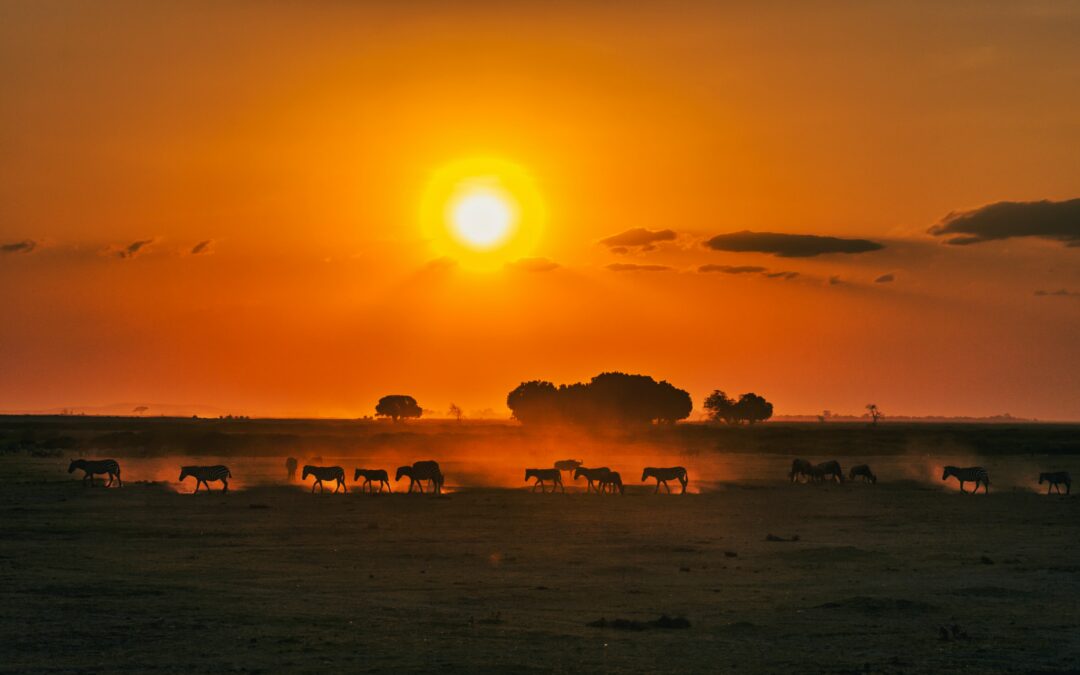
{"points": [[541, 475], [663, 475], [290, 466], [94, 466], [568, 464], [419, 472], [801, 469], [612, 482], [864, 472], [321, 473], [598, 474], [829, 470], [1056, 478], [971, 473], [372, 476], [204, 474]]}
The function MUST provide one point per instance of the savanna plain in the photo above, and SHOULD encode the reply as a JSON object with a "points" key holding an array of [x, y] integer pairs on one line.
{"points": [[907, 575]]}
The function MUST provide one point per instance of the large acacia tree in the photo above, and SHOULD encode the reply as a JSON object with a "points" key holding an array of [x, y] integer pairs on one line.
{"points": [[397, 406], [609, 398]]}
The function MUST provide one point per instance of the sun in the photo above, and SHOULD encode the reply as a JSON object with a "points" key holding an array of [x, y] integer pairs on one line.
{"points": [[483, 212]]}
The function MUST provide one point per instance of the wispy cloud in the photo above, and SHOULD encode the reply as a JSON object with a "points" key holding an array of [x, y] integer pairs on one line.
{"points": [[835, 280], [885, 279], [789, 245], [1060, 293], [24, 246], [630, 267], [637, 238], [1056, 221], [134, 248], [203, 247], [534, 265], [732, 269]]}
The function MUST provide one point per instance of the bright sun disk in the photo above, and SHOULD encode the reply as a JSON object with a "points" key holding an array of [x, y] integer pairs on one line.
{"points": [[482, 217]]}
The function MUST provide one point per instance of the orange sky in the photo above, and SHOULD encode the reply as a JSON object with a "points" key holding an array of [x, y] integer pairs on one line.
{"points": [[298, 139]]}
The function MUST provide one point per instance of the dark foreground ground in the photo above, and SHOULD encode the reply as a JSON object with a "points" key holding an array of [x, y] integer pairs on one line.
{"points": [[270, 578]]}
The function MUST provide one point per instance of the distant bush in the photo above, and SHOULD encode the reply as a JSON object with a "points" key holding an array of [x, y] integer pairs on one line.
{"points": [[397, 406], [609, 398], [750, 408]]}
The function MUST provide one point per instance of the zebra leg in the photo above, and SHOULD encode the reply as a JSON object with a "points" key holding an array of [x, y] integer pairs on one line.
{"points": [[667, 487], [657, 490], [120, 483], [225, 484], [962, 488]]}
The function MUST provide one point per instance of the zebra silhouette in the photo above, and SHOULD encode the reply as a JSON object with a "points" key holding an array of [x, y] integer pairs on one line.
{"points": [[290, 466], [829, 471], [567, 464], [96, 466], [541, 475], [801, 470], [321, 473], [591, 475], [205, 474], [971, 473], [663, 475], [863, 471], [611, 482], [427, 470], [1056, 478], [372, 476]]}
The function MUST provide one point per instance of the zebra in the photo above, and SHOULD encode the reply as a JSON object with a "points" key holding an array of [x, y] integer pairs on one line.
{"points": [[204, 474], [1056, 478], [419, 472], [971, 473], [829, 471], [541, 475], [598, 474], [321, 473], [611, 482], [864, 472], [568, 464], [663, 475], [372, 476], [801, 469], [94, 466], [290, 466]]}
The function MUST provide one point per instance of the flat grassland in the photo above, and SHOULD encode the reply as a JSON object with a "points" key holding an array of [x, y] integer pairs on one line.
{"points": [[267, 578]]}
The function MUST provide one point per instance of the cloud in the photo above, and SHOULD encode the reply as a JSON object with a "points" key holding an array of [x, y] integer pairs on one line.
{"points": [[1057, 221], [202, 248], [637, 238], [885, 278], [24, 246], [732, 269], [629, 267], [534, 265], [787, 276], [835, 280], [789, 245], [134, 248], [1061, 293]]}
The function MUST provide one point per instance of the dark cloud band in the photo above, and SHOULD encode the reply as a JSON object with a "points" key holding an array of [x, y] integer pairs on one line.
{"points": [[789, 245], [1057, 221]]}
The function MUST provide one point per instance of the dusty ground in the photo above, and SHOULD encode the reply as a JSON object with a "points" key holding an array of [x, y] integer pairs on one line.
{"points": [[270, 578]]}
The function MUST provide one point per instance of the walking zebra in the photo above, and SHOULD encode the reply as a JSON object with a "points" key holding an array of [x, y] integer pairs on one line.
{"points": [[1056, 478], [829, 471], [290, 466], [663, 475], [541, 475], [612, 482], [567, 464], [419, 472], [321, 473], [372, 476], [971, 473], [801, 470], [205, 474], [864, 472], [95, 466], [597, 474]]}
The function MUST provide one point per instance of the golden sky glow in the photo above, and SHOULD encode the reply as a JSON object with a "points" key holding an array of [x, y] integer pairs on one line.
{"points": [[295, 208]]}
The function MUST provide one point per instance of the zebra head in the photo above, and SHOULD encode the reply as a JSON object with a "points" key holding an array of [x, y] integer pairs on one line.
{"points": [[529, 473], [1042, 477], [356, 475], [579, 472], [308, 469], [185, 471], [76, 463], [949, 471], [645, 473], [403, 471]]}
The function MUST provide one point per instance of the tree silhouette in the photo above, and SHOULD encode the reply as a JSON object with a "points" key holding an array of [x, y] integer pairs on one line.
{"points": [[874, 413], [609, 398], [397, 406], [456, 412], [721, 408], [753, 408]]}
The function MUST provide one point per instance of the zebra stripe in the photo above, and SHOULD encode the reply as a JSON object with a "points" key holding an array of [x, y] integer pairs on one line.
{"points": [[975, 474], [204, 474], [97, 466]]}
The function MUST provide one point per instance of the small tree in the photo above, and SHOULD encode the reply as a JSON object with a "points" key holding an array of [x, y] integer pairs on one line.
{"points": [[752, 408], [721, 408], [397, 406], [875, 414], [456, 412]]}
